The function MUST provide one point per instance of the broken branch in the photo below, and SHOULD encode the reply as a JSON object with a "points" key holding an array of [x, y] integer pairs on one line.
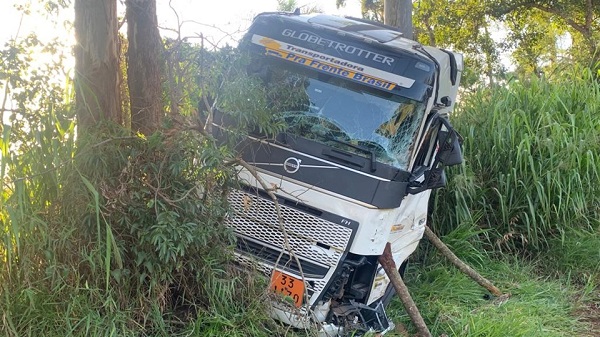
{"points": [[387, 262], [463, 267]]}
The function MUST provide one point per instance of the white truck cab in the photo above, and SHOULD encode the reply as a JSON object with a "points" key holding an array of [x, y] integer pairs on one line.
{"points": [[367, 139]]}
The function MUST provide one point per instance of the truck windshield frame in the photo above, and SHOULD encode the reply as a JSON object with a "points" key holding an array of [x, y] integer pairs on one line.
{"points": [[343, 114]]}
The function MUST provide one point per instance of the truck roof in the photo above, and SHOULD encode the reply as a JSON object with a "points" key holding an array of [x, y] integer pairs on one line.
{"points": [[366, 30], [380, 36]]}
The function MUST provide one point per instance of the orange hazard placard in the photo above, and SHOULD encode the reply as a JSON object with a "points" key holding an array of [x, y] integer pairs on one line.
{"points": [[288, 286]]}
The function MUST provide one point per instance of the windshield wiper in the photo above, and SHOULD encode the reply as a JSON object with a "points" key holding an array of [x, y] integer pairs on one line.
{"points": [[371, 153]]}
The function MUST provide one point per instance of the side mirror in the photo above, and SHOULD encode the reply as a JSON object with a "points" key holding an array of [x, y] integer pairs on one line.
{"points": [[449, 153]]}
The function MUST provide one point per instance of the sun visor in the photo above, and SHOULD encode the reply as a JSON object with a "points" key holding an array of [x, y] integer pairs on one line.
{"points": [[380, 67]]}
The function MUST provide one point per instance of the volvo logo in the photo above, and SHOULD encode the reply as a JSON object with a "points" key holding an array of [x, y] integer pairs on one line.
{"points": [[291, 165]]}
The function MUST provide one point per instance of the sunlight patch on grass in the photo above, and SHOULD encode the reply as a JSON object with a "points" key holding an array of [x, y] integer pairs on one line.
{"points": [[453, 304]]}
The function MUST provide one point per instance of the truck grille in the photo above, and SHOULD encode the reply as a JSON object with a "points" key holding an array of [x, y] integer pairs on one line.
{"points": [[312, 239], [284, 260]]}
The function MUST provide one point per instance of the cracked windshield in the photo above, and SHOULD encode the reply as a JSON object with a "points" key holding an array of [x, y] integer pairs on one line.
{"points": [[347, 116]]}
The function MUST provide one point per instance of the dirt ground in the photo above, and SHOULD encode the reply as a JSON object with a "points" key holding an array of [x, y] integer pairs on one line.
{"points": [[590, 314]]}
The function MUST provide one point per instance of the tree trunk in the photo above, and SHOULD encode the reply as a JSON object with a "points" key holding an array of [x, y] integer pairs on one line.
{"points": [[398, 13], [144, 65], [387, 262], [97, 96]]}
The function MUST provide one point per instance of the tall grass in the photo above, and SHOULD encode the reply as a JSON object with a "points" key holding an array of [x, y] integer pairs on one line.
{"points": [[112, 234], [452, 305], [532, 162], [118, 235]]}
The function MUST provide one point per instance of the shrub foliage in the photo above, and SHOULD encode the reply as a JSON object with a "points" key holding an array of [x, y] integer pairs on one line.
{"points": [[130, 241], [531, 161]]}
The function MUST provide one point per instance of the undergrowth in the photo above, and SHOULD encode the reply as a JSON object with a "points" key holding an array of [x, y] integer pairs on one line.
{"points": [[540, 303], [122, 235], [531, 159], [523, 209], [452, 304]]}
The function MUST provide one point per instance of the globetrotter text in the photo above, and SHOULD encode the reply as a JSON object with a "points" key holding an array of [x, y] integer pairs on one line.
{"points": [[338, 46]]}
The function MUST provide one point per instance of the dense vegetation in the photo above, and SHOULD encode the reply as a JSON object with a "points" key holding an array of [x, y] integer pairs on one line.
{"points": [[531, 151], [109, 232], [524, 210]]}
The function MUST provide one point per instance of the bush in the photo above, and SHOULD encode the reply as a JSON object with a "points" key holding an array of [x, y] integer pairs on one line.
{"points": [[130, 241], [531, 162]]}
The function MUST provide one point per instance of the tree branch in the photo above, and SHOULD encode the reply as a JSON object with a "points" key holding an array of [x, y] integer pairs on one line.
{"points": [[281, 223], [589, 11], [508, 9], [584, 28], [463, 267], [578, 27], [387, 262]]}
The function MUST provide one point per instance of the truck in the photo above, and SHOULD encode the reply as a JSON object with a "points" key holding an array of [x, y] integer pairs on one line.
{"points": [[367, 137]]}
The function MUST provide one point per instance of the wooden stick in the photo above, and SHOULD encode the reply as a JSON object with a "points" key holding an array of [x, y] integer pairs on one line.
{"points": [[463, 267], [387, 262]]}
